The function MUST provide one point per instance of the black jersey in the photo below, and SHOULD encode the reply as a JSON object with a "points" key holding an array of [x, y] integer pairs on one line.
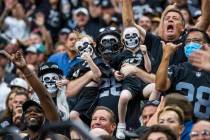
{"points": [[82, 67], [194, 84], [154, 46], [109, 93], [131, 83], [127, 56]]}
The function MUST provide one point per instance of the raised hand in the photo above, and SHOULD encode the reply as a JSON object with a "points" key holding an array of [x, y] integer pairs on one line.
{"points": [[10, 4], [61, 83], [17, 58], [170, 47], [39, 20], [143, 49], [86, 56], [201, 58]]}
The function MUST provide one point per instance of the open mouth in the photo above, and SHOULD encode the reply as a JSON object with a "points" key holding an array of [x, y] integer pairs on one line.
{"points": [[32, 118], [170, 28]]}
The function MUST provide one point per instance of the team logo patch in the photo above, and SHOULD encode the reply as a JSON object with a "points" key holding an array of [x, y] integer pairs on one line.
{"points": [[198, 74]]}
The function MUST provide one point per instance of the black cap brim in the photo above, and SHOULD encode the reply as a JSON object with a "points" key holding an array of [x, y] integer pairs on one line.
{"points": [[50, 70], [29, 103]]}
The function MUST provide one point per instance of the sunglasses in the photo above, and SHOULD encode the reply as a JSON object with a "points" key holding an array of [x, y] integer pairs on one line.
{"points": [[153, 102]]}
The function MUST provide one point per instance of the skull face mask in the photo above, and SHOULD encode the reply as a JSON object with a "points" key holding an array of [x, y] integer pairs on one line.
{"points": [[84, 45], [131, 37], [49, 81], [109, 44]]}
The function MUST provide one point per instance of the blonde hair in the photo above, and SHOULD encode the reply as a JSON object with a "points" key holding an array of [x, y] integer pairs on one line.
{"points": [[175, 109], [81, 36]]}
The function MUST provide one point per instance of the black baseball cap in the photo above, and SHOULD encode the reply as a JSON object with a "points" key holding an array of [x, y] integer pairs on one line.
{"points": [[29, 103], [49, 67]]}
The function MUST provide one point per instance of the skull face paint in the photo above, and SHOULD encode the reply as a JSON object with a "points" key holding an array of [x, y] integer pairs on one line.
{"points": [[131, 37], [49, 81], [84, 45], [109, 44]]}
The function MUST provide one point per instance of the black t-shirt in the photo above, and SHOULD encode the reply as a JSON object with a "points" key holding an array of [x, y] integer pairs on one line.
{"points": [[82, 67], [154, 46], [194, 84], [54, 22], [127, 56]]}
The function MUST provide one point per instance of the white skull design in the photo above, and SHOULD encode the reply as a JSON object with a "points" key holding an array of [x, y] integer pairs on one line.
{"points": [[49, 81], [84, 45], [131, 37]]}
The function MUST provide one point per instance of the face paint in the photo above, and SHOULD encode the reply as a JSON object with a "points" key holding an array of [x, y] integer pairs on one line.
{"points": [[84, 45], [190, 48], [49, 81], [131, 37], [109, 44]]}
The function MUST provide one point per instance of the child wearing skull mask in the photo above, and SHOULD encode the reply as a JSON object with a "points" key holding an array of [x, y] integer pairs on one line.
{"points": [[49, 73], [90, 62], [134, 54]]}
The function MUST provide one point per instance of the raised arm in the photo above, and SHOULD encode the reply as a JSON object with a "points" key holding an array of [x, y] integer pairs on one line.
{"points": [[2, 17], [204, 22], [40, 21], [127, 13], [162, 81], [147, 62], [8, 7], [93, 67], [46, 101], [128, 18]]}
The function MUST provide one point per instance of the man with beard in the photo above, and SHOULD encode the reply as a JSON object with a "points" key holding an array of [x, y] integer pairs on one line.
{"points": [[34, 116]]}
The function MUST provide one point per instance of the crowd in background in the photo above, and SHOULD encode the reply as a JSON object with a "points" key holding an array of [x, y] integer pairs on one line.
{"points": [[126, 69]]}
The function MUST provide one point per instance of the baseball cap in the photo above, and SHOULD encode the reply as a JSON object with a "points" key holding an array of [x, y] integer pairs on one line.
{"points": [[64, 31], [81, 10], [49, 67], [106, 4], [29, 103], [31, 49], [19, 82]]}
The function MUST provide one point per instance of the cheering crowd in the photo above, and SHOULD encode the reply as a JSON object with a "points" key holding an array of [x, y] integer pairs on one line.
{"points": [[120, 69]]}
